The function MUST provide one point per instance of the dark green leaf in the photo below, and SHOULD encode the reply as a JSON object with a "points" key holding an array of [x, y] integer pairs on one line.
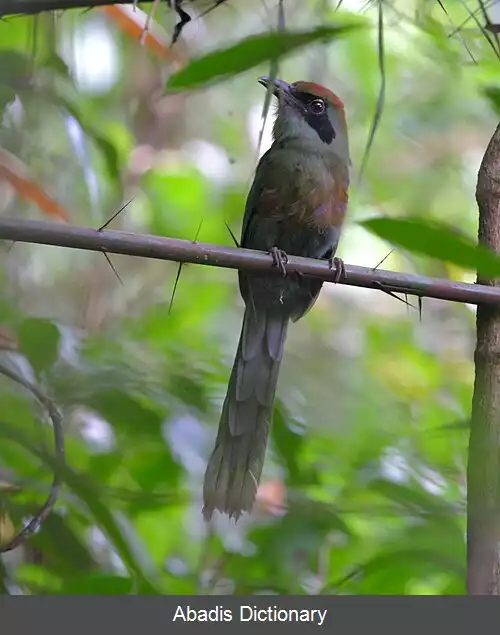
{"points": [[493, 95], [190, 390], [7, 96], [97, 584], [154, 466], [89, 493], [126, 413], [64, 550], [288, 444], [389, 573], [414, 498], [39, 342], [14, 69], [248, 53], [291, 544], [436, 240]]}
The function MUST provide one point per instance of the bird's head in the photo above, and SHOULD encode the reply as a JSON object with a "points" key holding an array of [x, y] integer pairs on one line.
{"points": [[311, 115]]}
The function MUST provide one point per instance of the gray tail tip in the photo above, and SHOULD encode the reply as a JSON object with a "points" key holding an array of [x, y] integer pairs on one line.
{"points": [[208, 511]]}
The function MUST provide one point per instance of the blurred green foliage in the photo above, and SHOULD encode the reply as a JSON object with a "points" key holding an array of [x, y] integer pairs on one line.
{"points": [[363, 490]]}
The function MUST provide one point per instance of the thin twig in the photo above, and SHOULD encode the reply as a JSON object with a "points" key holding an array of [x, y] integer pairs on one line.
{"points": [[488, 26], [149, 19], [381, 94], [483, 30], [176, 250], [56, 418], [459, 33], [273, 74]]}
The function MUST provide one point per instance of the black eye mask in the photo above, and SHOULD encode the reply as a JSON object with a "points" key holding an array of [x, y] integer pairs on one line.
{"points": [[319, 122]]}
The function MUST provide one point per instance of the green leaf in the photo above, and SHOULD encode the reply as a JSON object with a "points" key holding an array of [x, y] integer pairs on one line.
{"points": [[65, 550], [492, 93], [127, 414], [154, 466], [389, 572], [57, 64], [105, 146], [248, 53], [289, 445], [436, 240], [39, 342], [14, 69], [123, 542], [415, 499], [7, 96], [97, 584]]}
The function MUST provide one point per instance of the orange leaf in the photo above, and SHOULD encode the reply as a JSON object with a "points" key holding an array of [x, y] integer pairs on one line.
{"points": [[31, 191], [132, 21]]}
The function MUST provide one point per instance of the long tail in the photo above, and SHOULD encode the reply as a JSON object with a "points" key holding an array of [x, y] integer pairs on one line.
{"points": [[234, 469]]}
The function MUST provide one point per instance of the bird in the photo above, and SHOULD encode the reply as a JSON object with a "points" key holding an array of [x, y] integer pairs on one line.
{"points": [[296, 206]]}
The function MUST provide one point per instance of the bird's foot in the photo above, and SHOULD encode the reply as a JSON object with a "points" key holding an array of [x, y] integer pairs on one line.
{"points": [[279, 259], [338, 265]]}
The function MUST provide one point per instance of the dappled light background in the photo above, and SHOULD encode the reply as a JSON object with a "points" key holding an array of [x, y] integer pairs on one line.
{"points": [[364, 481]]}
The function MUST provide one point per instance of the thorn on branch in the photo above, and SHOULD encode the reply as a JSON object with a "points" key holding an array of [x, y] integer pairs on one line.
{"points": [[110, 220], [178, 275], [381, 287], [195, 239], [112, 267], [179, 269], [383, 260], [235, 241]]}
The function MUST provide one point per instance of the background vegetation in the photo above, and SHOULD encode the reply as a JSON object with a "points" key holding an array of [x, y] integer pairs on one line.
{"points": [[364, 483]]}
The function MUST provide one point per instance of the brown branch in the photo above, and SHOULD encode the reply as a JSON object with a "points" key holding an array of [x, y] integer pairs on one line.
{"points": [[176, 250], [18, 7], [483, 472]]}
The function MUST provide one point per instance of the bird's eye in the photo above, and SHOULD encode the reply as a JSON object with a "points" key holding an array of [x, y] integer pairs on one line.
{"points": [[317, 106]]}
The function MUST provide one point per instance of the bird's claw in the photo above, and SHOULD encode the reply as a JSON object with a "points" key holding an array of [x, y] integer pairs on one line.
{"points": [[280, 259], [338, 265]]}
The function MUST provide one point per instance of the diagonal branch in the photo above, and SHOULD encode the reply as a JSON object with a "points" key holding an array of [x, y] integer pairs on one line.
{"points": [[173, 249]]}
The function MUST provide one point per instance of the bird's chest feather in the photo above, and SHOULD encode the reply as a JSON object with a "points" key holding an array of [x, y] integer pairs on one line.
{"points": [[313, 194], [321, 201]]}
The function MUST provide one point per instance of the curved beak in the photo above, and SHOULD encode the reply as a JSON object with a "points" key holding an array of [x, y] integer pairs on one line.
{"points": [[278, 85]]}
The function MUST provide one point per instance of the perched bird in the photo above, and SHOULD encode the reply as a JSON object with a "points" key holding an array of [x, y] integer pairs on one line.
{"points": [[296, 206]]}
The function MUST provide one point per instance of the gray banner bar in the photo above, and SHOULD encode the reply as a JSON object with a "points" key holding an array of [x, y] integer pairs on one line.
{"points": [[138, 615]]}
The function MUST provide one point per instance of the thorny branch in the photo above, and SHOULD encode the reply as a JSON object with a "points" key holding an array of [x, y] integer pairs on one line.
{"points": [[16, 7], [56, 418], [173, 249]]}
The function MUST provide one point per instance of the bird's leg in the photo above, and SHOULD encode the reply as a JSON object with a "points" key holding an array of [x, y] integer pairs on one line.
{"points": [[338, 265], [279, 259]]}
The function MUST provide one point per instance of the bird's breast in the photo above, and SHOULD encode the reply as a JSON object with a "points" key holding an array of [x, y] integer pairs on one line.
{"points": [[320, 192]]}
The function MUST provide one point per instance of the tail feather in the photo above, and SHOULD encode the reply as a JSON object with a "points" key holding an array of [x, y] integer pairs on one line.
{"points": [[234, 469]]}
